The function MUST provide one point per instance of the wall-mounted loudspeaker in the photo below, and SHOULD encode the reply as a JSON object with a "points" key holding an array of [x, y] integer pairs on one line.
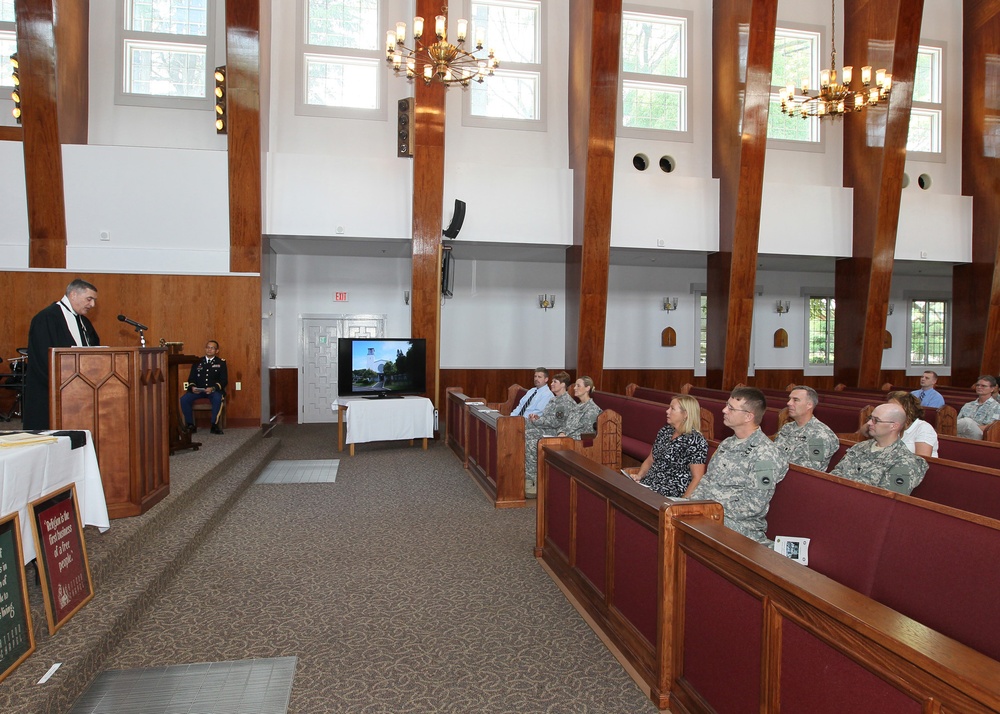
{"points": [[404, 128], [457, 219]]}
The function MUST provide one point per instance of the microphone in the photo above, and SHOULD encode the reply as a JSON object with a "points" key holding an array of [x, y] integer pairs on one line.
{"points": [[133, 323]]}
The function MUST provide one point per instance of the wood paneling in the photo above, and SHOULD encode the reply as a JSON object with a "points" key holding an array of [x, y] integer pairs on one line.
{"points": [[178, 308], [740, 102], [43, 175], [284, 385], [428, 198], [874, 157], [976, 287], [243, 110]]}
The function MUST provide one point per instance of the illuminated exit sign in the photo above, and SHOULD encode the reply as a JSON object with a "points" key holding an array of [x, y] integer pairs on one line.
{"points": [[340, 297]]}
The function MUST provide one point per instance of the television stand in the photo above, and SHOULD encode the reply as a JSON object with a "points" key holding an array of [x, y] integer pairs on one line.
{"points": [[364, 420]]}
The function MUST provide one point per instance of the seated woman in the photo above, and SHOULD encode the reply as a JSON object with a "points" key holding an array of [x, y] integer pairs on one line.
{"points": [[583, 417], [919, 437], [550, 422], [680, 453]]}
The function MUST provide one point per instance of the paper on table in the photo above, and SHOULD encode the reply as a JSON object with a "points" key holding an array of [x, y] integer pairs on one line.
{"points": [[25, 439]]}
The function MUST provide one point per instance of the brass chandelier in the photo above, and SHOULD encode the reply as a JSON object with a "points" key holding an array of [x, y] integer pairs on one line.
{"points": [[439, 61], [836, 98]]}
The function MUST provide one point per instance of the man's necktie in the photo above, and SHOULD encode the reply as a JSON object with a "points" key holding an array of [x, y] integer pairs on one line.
{"points": [[520, 412], [83, 332]]}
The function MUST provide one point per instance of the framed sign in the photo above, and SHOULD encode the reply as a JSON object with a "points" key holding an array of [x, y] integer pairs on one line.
{"points": [[62, 561], [17, 638]]}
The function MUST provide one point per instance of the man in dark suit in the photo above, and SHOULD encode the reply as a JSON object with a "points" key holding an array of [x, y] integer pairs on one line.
{"points": [[61, 324], [208, 380]]}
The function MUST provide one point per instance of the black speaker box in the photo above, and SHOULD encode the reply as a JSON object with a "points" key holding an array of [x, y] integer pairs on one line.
{"points": [[404, 128], [457, 219]]}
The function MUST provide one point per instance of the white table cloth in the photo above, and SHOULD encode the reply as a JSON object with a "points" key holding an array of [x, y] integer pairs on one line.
{"points": [[387, 419], [29, 472]]}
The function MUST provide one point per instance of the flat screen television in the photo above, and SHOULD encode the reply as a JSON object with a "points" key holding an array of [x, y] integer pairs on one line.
{"points": [[381, 367]]}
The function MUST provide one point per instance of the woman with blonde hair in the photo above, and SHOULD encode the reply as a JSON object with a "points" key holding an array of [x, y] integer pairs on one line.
{"points": [[680, 453], [919, 436]]}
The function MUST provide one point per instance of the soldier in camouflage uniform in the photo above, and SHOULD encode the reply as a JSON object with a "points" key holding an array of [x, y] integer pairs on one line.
{"points": [[745, 469], [549, 423], [804, 439], [884, 460]]}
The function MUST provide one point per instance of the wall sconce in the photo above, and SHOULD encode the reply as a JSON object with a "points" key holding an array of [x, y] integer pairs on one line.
{"points": [[669, 304], [546, 301], [221, 118], [406, 297], [781, 307], [892, 307], [16, 93], [273, 291]]}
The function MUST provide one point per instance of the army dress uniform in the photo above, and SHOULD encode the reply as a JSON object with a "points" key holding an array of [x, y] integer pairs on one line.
{"points": [[742, 475], [551, 421], [810, 445], [895, 467], [206, 373]]}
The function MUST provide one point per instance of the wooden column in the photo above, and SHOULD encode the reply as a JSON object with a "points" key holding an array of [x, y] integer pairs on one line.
{"points": [[874, 157], [976, 287], [739, 94], [428, 199], [43, 174], [243, 99], [72, 35], [595, 46]]}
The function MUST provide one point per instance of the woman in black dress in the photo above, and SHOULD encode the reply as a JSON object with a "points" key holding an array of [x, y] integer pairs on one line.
{"points": [[680, 453]]}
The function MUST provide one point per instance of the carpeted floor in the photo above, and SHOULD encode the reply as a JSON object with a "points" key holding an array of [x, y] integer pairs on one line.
{"points": [[398, 587]]}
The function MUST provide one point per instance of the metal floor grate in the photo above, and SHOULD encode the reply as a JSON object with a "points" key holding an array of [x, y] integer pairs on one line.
{"points": [[253, 686], [319, 471]]}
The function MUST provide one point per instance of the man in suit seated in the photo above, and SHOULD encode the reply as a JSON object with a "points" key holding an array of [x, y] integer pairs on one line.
{"points": [[208, 380]]}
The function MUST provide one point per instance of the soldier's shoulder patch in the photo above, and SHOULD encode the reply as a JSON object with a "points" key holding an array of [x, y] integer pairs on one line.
{"points": [[765, 473]]}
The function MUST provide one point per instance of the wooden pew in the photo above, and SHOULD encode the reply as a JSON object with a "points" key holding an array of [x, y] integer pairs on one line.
{"points": [[683, 599], [641, 422], [969, 451], [457, 417]]}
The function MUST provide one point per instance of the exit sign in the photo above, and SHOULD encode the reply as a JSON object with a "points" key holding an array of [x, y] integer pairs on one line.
{"points": [[340, 297]]}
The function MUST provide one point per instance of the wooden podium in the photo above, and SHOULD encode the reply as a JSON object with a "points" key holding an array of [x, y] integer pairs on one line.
{"points": [[120, 395]]}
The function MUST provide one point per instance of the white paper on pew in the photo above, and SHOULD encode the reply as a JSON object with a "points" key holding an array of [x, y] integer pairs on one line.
{"points": [[475, 404], [791, 547]]}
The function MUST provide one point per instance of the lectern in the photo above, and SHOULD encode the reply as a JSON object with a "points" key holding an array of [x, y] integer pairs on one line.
{"points": [[120, 395]]}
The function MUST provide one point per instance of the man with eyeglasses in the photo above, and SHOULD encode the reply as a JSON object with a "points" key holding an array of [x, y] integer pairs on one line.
{"points": [[884, 460], [745, 469], [806, 440], [981, 411]]}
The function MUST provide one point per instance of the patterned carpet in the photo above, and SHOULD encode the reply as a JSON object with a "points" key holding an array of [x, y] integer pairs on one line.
{"points": [[398, 587]]}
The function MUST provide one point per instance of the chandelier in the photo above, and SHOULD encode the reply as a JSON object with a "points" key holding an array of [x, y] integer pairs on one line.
{"points": [[836, 98], [440, 61]]}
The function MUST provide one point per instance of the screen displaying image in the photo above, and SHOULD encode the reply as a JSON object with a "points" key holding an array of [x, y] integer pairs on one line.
{"points": [[377, 366]]}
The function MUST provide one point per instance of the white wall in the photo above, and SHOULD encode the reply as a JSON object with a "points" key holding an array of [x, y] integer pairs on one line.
{"points": [[13, 208]]}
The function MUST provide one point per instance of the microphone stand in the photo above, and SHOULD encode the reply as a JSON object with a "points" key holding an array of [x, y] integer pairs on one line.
{"points": [[142, 337]]}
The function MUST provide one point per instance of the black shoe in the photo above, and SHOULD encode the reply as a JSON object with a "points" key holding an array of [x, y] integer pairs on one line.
{"points": [[216, 429], [191, 428]]}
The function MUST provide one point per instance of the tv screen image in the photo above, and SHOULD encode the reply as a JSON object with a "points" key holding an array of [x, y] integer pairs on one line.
{"points": [[381, 366]]}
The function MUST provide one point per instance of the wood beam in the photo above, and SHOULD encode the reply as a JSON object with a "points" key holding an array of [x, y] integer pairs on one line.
{"points": [[243, 111], [43, 174], [595, 47], [72, 37], [880, 33], [976, 287], [428, 211], [740, 103]]}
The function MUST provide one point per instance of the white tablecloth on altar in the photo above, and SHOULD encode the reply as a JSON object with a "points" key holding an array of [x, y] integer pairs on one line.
{"points": [[387, 419], [29, 472]]}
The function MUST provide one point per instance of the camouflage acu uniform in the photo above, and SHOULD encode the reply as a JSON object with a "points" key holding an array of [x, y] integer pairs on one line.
{"points": [[810, 445], [742, 476], [895, 467], [550, 423]]}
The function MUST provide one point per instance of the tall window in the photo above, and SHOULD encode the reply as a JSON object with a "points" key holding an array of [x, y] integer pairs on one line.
{"points": [[821, 324], [926, 111], [8, 44], [796, 58], [513, 97], [928, 332], [166, 46], [654, 77], [342, 68]]}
